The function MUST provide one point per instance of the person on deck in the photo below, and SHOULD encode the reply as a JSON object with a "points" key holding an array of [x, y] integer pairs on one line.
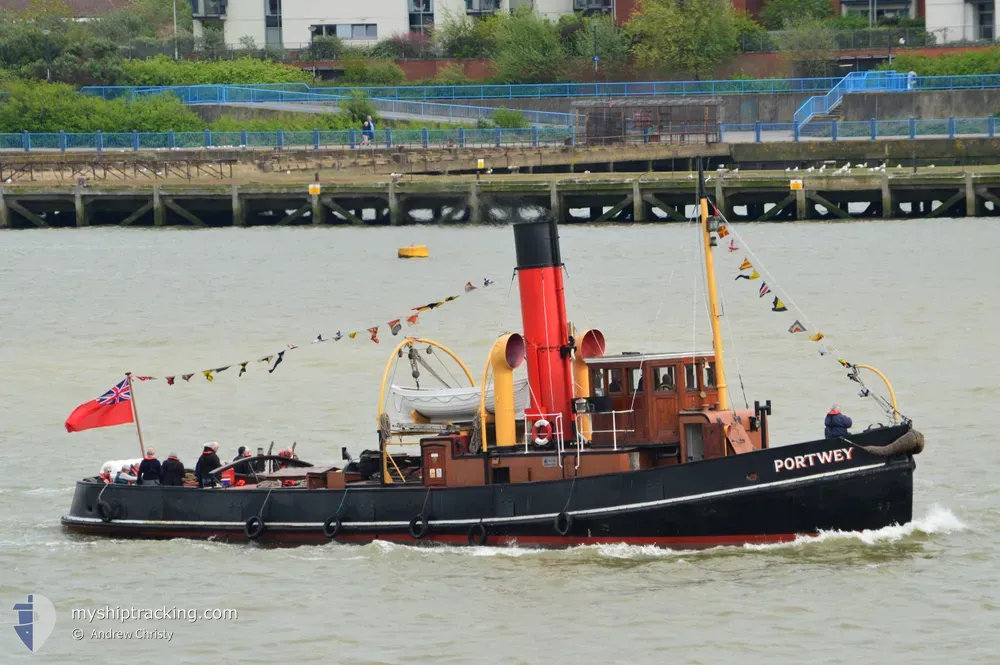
{"points": [[836, 423], [368, 131], [108, 475], [173, 471], [124, 476], [247, 467], [150, 470], [208, 462]]}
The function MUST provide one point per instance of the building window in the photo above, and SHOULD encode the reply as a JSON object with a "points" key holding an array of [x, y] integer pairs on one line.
{"points": [[984, 19], [421, 16], [272, 13], [590, 6], [481, 6]]}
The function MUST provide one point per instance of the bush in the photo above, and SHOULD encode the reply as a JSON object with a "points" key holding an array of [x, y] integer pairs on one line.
{"points": [[41, 107], [778, 13], [163, 70], [528, 49], [372, 73], [751, 35], [453, 74], [410, 45], [986, 61], [509, 119], [358, 108], [326, 48], [464, 37]]}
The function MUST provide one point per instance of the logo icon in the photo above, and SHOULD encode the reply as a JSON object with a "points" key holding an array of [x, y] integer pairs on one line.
{"points": [[35, 621]]}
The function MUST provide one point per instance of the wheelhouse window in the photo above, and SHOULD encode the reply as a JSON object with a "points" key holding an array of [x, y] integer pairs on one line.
{"points": [[616, 382], [665, 381], [691, 377], [635, 380], [708, 374], [597, 382]]}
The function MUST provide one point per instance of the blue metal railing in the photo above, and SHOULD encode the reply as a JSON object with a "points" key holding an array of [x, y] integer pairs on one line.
{"points": [[465, 137], [853, 82], [205, 93]]}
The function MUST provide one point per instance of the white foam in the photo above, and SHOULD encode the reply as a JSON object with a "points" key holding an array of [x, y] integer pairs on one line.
{"points": [[938, 520]]}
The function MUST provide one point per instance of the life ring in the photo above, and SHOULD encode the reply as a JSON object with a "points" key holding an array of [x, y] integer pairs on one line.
{"points": [[477, 534], [540, 428], [104, 511], [332, 526], [253, 528], [419, 527], [563, 523]]}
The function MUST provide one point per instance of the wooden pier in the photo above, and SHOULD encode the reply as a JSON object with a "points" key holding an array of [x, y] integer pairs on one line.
{"points": [[604, 197]]}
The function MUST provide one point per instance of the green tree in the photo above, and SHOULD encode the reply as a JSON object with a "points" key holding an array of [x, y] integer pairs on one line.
{"points": [[612, 42], [809, 43], [528, 49], [693, 36], [463, 37], [778, 14]]}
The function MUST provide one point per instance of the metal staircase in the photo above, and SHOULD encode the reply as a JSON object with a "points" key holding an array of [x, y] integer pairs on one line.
{"points": [[824, 106]]}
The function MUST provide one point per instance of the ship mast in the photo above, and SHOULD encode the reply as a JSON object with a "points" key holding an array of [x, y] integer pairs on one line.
{"points": [[713, 300]]}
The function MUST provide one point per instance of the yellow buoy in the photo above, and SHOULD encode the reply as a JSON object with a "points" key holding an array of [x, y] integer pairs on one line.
{"points": [[414, 252]]}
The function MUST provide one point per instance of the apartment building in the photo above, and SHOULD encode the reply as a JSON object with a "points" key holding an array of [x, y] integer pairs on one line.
{"points": [[294, 23]]}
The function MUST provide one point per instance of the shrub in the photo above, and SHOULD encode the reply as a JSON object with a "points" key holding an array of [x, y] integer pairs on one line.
{"points": [[509, 119], [326, 48], [465, 37], [372, 73], [359, 107], [453, 74], [527, 49], [410, 45], [986, 61], [163, 70]]}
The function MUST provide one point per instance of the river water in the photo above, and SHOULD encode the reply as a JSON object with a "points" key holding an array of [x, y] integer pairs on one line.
{"points": [[78, 308]]}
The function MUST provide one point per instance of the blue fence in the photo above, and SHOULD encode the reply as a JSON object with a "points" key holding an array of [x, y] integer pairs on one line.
{"points": [[536, 136], [537, 91], [866, 130], [315, 139], [853, 82]]}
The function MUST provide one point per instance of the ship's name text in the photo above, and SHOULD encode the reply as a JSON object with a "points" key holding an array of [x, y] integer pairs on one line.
{"points": [[812, 459]]}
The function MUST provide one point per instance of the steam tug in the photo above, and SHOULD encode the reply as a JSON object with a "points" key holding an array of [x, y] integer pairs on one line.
{"points": [[591, 448]]}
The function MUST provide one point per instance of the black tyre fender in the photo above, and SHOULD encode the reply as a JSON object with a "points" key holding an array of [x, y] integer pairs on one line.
{"points": [[104, 511], [419, 527], [253, 528], [477, 534], [332, 527], [563, 523]]}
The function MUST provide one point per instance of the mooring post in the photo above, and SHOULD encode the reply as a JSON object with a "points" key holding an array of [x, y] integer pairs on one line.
{"points": [[970, 197], [913, 128], [316, 139], [318, 210], [159, 211], [395, 214], [951, 127], [638, 205], [352, 139], [26, 141], [78, 206], [243, 138], [4, 212], [554, 206], [796, 130], [757, 131], [886, 197], [873, 130], [475, 212], [239, 213], [801, 211]]}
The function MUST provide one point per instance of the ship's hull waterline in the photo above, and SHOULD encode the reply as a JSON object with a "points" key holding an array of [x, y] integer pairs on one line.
{"points": [[772, 495]]}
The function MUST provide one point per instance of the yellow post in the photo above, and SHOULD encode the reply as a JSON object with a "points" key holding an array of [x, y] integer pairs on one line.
{"points": [[713, 305]]}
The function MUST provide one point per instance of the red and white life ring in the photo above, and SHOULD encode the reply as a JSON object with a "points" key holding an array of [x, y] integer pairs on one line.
{"points": [[542, 431]]}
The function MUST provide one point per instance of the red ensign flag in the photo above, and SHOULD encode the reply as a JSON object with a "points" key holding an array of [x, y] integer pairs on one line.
{"points": [[112, 408]]}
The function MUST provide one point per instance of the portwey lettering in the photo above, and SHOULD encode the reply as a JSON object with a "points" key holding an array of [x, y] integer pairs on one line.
{"points": [[813, 459]]}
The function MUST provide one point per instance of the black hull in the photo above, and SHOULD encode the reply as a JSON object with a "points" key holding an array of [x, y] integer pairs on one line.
{"points": [[747, 498]]}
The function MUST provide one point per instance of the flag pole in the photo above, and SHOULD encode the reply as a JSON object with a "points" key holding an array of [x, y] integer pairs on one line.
{"points": [[135, 414]]}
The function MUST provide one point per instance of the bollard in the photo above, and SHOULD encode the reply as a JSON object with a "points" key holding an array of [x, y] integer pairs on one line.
{"points": [[99, 141], [208, 138], [425, 137], [834, 130], [913, 128], [796, 129], [171, 140], [135, 141], [461, 137]]}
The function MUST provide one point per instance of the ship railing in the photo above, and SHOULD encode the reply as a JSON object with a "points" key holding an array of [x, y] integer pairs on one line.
{"points": [[614, 426], [555, 419]]}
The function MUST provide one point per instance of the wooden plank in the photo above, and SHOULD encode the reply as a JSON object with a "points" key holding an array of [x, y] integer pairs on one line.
{"points": [[340, 210], [288, 219], [945, 205], [669, 211], [776, 210], [834, 209], [134, 217], [27, 214], [170, 203]]}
